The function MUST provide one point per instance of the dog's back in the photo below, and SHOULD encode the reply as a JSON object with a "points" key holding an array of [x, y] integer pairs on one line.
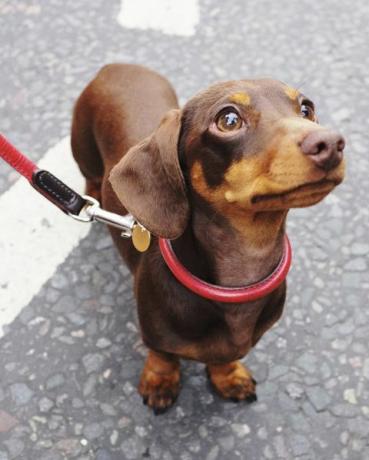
{"points": [[122, 105]]}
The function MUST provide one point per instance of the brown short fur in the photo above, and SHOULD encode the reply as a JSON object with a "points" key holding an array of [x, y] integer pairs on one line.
{"points": [[222, 197]]}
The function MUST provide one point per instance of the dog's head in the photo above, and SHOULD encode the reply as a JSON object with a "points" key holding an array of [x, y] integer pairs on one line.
{"points": [[245, 146]]}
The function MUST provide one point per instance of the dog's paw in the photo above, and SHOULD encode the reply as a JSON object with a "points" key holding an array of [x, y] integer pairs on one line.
{"points": [[233, 381], [159, 391]]}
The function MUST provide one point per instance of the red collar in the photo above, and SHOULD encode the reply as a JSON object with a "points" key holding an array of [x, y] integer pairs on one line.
{"points": [[248, 293]]}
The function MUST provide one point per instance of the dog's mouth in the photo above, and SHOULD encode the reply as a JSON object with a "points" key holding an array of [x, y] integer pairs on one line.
{"points": [[304, 194]]}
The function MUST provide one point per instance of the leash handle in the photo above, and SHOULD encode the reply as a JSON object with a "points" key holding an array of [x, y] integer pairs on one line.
{"points": [[43, 181], [57, 192]]}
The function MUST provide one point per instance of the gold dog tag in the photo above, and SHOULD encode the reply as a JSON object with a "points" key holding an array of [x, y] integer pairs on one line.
{"points": [[141, 238]]}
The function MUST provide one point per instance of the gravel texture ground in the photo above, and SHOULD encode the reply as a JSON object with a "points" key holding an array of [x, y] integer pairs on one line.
{"points": [[70, 362]]}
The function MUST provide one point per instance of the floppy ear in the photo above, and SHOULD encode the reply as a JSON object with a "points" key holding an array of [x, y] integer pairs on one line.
{"points": [[148, 181]]}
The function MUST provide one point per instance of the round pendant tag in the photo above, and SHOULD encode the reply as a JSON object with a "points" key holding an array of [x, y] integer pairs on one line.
{"points": [[141, 238]]}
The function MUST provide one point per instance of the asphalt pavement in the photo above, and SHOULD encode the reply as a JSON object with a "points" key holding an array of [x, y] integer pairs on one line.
{"points": [[71, 360]]}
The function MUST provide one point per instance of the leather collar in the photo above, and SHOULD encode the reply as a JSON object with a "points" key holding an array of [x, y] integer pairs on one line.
{"points": [[242, 294]]}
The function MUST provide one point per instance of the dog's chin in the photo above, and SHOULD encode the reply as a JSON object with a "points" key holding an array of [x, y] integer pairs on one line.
{"points": [[298, 197]]}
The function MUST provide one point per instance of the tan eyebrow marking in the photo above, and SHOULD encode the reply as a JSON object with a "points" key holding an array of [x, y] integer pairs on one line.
{"points": [[240, 98], [292, 93]]}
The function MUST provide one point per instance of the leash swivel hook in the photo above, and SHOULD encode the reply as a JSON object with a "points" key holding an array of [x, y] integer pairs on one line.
{"points": [[130, 228], [93, 212]]}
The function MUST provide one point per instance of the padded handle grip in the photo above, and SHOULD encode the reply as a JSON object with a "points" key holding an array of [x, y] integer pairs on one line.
{"points": [[56, 191]]}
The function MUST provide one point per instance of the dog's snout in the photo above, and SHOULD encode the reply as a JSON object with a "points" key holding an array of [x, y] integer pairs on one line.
{"points": [[325, 148]]}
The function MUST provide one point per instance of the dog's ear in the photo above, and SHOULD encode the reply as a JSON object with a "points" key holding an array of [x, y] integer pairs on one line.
{"points": [[149, 182]]}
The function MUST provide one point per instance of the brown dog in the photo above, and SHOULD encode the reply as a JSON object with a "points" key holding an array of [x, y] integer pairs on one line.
{"points": [[218, 177]]}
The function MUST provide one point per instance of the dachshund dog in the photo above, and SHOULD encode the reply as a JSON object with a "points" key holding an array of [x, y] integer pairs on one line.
{"points": [[217, 178]]}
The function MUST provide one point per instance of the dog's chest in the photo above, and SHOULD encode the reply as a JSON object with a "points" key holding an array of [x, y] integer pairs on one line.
{"points": [[238, 331], [239, 328], [228, 340]]}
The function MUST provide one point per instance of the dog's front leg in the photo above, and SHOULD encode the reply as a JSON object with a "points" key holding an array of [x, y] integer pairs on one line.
{"points": [[159, 383], [232, 381]]}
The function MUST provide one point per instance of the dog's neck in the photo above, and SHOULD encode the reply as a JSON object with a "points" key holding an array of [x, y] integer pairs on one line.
{"points": [[232, 253]]}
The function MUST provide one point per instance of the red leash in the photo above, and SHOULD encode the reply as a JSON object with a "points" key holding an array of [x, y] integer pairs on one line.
{"points": [[16, 159], [63, 196]]}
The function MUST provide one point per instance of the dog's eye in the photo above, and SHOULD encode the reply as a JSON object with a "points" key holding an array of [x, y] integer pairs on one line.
{"points": [[229, 120], [307, 111]]}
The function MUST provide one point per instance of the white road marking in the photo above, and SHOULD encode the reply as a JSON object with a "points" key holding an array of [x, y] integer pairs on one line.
{"points": [[35, 236], [173, 17]]}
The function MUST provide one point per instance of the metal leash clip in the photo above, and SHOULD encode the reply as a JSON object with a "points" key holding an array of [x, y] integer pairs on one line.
{"points": [[92, 211]]}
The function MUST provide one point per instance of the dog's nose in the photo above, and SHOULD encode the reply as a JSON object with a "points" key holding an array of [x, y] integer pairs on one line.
{"points": [[325, 148]]}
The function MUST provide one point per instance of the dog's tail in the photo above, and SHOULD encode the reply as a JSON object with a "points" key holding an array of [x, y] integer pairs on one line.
{"points": [[84, 147]]}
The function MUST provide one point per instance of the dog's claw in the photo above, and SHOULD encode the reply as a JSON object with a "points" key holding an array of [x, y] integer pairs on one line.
{"points": [[159, 403], [251, 398], [159, 410]]}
